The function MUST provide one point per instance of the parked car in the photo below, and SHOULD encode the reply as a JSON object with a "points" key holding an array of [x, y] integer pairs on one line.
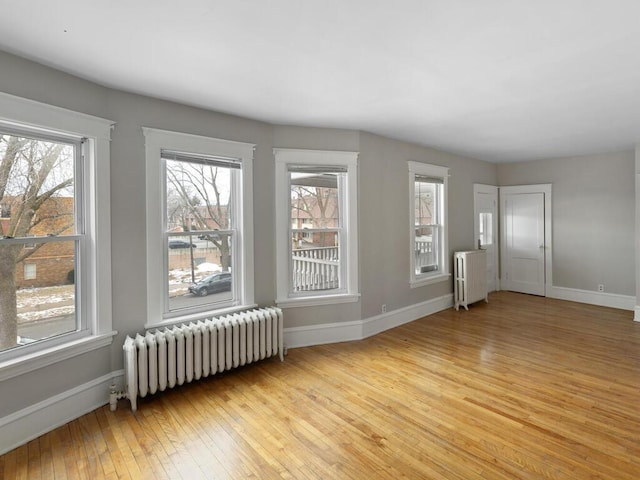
{"points": [[209, 236], [180, 244], [218, 282]]}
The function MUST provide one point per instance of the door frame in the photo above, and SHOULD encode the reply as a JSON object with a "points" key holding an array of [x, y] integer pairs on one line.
{"points": [[545, 189], [491, 190]]}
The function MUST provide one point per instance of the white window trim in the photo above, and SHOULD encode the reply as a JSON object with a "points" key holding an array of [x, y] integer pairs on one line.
{"points": [[155, 140], [284, 157], [97, 307], [443, 273]]}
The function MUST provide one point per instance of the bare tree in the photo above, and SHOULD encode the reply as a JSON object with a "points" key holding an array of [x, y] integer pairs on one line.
{"points": [[202, 201], [316, 203], [30, 178]]}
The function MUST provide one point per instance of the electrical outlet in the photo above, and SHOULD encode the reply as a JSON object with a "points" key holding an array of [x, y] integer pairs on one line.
{"points": [[384, 308], [601, 288]]}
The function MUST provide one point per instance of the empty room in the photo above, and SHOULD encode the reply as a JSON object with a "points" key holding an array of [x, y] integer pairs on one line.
{"points": [[319, 240]]}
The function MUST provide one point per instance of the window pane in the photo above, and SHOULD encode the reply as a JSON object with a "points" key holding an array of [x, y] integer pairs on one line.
{"points": [[425, 212], [199, 221], [486, 228], [426, 249], [198, 196], [38, 201], [39, 189], [314, 200], [38, 298], [199, 271], [315, 263]]}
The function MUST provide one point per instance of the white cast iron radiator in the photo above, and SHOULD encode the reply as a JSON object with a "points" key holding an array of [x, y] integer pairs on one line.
{"points": [[470, 283], [168, 357]]}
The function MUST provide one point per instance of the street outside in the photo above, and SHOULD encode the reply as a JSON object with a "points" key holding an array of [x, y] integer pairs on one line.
{"points": [[47, 311]]}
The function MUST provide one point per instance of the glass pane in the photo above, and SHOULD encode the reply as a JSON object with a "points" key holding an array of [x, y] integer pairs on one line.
{"points": [[425, 212], [38, 191], [198, 197], [199, 270], [37, 200], [486, 229], [37, 292], [314, 200], [315, 261], [426, 249]]}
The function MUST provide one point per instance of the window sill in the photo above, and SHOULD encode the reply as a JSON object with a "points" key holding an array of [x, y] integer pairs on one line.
{"points": [[194, 317], [320, 300], [48, 356], [441, 277]]}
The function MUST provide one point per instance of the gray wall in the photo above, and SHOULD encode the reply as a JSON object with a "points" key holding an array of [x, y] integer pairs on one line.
{"points": [[383, 211], [384, 218], [593, 217]]}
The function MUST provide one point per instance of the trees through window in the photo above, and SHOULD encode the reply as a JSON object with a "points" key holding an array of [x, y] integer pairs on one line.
{"points": [[41, 233]]}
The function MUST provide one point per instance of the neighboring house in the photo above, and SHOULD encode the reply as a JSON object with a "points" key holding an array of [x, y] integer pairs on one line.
{"points": [[46, 264]]}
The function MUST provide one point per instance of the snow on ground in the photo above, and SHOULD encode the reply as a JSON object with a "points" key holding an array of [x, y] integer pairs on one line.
{"points": [[48, 302], [44, 314]]}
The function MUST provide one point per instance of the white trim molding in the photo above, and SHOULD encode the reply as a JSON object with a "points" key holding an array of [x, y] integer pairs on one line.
{"points": [[95, 292], [612, 300], [348, 292], [24, 425], [636, 314], [155, 141], [442, 274], [295, 337]]}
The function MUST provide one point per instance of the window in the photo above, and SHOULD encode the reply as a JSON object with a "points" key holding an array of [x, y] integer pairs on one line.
{"points": [[485, 226], [202, 228], [55, 214], [30, 271], [316, 211], [429, 252]]}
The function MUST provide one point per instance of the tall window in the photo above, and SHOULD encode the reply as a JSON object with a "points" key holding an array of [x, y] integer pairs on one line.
{"points": [[428, 184], [54, 213], [317, 228], [203, 229], [200, 230], [40, 194]]}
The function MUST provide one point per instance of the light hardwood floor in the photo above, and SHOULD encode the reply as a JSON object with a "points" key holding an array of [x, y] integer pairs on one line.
{"points": [[522, 388]]}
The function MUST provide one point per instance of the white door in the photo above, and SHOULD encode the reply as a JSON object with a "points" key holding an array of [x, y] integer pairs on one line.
{"points": [[526, 241], [486, 228]]}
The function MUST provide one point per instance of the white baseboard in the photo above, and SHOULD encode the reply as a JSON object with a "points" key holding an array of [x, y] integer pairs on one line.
{"points": [[623, 302], [636, 314], [24, 425], [295, 337]]}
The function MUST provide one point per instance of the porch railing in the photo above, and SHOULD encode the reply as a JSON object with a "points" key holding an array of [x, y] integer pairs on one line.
{"points": [[424, 255], [315, 269]]}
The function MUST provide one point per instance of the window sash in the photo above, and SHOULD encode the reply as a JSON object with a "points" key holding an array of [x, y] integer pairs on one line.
{"points": [[428, 256], [330, 275], [31, 241], [211, 303]]}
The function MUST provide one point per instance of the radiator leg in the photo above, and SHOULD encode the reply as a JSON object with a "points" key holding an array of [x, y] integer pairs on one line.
{"points": [[114, 396]]}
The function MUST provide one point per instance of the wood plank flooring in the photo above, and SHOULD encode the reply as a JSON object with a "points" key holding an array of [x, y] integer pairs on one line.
{"points": [[522, 388]]}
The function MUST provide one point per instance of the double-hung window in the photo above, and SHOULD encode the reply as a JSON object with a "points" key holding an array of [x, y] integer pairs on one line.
{"points": [[316, 226], [202, 228], [428, 210], [54, 198]]}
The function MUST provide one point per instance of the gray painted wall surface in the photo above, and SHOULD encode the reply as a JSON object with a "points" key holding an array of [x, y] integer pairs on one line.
{"points": [[593, 217], [383, 211]]}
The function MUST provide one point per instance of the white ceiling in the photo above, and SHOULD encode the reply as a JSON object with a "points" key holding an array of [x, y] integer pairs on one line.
{"points": [[500, 80]]}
